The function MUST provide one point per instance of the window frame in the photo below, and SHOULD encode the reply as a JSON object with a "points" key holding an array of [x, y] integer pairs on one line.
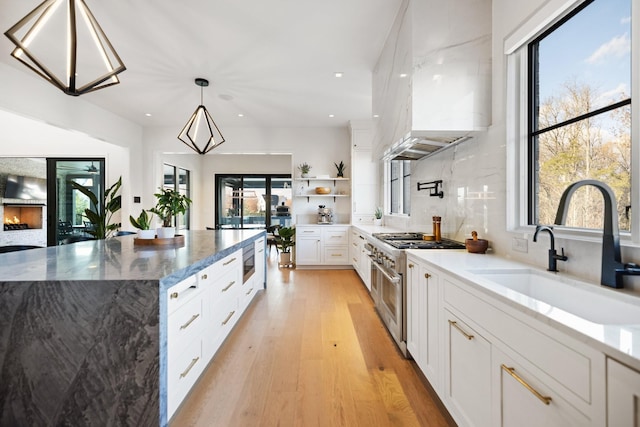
{"points": [[405, 188], [518, 122], [176, 187]]}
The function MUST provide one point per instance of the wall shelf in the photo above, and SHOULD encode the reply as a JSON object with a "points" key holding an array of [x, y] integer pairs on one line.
{"points": [[308, 196], [309, 180]]}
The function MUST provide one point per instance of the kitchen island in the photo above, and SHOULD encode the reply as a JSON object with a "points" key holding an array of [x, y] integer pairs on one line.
{"points": [[83, 327]]}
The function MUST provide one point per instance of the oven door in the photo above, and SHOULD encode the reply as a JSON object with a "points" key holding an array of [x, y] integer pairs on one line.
{"points": [[389, 303]]}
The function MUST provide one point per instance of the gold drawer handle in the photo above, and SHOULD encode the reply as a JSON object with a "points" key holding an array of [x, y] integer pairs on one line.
{"points": [[511, 371], [228, 318], [260, 251], [186, 325], [427, 276], [204, 277], [411, 265], [173, 295], [193, 362], [228, 286], [455, 325], [249, 291], [229, 262], [336, 254]]}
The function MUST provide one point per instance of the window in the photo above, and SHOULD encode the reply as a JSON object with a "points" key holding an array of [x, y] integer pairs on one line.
{"points": [[399, 186], [253, 201], [570, 87], [178, 179]]}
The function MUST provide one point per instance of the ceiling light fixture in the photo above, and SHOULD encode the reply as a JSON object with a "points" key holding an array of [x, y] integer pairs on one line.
{"points": [[201, 130], [79, 55], [338, 74]]}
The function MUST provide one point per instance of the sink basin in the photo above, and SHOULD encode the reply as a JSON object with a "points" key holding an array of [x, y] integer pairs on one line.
{"points": [[589, 302]]}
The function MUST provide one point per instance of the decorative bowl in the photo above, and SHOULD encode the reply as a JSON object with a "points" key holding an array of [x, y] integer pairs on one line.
{"points": [[476, 246], [323, 190]]}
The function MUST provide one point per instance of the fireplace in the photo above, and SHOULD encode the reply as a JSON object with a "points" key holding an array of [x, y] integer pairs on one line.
{"points": [[22, 217]]}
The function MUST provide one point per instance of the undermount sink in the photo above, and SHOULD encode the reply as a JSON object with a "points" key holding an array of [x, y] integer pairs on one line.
{"points": [[588, 302]]}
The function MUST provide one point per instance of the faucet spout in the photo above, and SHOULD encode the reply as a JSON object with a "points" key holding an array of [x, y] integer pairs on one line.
{"points": [[611, 260], [553, 255]]}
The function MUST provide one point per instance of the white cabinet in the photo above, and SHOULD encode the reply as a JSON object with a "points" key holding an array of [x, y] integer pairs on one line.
{"points": [[364, 173], [359, 257], [468, 372], [326, 245], [422, 317], [623, 395]]}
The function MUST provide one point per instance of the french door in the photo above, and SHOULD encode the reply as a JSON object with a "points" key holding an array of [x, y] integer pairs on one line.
{"points": [[252, 201]]}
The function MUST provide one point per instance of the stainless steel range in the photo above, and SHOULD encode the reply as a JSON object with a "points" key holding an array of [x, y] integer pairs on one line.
{"points": [[388, 270]]}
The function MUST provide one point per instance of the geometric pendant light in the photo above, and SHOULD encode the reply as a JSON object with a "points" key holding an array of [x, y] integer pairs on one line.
{"points": [[201, 133], [62, 42]]}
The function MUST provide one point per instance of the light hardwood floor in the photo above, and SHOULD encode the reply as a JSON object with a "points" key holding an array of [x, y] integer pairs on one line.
{"points": [[310, 351]]}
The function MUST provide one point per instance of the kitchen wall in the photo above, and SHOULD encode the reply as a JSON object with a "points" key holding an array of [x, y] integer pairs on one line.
{"points": [[475, 175]]}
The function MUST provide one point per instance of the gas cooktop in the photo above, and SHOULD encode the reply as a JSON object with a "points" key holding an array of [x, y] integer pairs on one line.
{"points": [[415, 241]]}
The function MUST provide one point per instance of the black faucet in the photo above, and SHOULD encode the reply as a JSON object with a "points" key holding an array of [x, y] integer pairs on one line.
{"points": [[612, 270], [553, 255]]}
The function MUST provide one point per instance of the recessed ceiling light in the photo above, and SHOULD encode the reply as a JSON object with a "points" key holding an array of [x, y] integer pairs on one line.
{"points": [[403, 75], [240, 115], [375, 116], [331, 115], [147, 114], [338, 74]]}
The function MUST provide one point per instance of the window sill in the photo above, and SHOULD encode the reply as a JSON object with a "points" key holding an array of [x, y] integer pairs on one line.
{"points": [[578, 235]]}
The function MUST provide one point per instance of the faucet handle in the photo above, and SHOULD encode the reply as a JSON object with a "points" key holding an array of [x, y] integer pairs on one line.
{"points": [[562, 257]]}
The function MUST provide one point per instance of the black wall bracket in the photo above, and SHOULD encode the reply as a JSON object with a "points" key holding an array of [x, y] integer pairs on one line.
{"points": [[434, 187]]}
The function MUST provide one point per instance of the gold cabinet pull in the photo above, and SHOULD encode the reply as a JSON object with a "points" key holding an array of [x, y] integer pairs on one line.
{"points": [[204, 276], [229, 285], [173, 295], [427, 276], [455, 325], [193, 362], [410, 265], [228, 318], [511, 371], [260, 251], [229, 262], [190, 321], [249, 291]]}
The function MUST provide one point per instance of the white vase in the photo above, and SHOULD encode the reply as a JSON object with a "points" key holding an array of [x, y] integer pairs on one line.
{"points": [[166, 232], [377, 221], [146, 234], [285, 258]]}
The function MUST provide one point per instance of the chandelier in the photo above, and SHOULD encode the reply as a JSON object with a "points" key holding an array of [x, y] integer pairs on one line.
{"points": [[201, 133]]}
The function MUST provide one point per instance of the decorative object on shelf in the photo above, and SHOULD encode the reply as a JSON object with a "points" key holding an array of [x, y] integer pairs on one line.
{"points": [[475, 245], [284, 242], [51, 30], [341, 167], [170, 203], [323, 190], [143, 224], [99, 214], [201, 133], [377, 216], [434, 187], [304, 169]]}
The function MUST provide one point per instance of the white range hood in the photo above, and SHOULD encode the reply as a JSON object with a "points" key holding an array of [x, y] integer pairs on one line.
{"points": [[416, 145]]}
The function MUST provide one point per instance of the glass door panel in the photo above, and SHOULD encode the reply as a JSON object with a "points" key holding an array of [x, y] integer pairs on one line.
{"points": [[253, 200], [66, 220], [281, 201]]}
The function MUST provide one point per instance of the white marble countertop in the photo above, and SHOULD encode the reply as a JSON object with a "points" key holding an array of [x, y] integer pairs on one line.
{"points": [[620, 341]]}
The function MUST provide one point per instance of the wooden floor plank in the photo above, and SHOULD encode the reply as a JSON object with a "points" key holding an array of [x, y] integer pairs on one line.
{"points": [[310, 351]]}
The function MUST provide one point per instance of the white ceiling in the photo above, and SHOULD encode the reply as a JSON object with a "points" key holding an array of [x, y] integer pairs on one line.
{"points": [[271, 60]]}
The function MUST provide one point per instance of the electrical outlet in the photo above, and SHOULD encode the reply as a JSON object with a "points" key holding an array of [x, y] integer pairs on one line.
{"points": [[519, 245]]}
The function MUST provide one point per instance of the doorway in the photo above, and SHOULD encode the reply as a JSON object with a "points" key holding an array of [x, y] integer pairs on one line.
{"points": [[66, 221]]}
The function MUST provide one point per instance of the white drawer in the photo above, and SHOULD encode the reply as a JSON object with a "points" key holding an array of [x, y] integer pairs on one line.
{"points": [[336, 255], [226, 284], [181, 293], [563, 365], [333, 236], [182, 372], [184, 325], [307, 232]]}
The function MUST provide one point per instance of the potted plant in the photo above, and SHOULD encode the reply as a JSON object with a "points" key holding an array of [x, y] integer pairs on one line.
{"points": [[143, 224], [170, 203], [284, 242], [378, 216], [341, 167], [304, 169], [99, 214]]}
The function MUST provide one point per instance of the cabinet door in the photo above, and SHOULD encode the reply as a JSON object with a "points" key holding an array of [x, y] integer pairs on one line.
{"points": [[525, 401], [623, 395], [307, 250], [260, 262], [468, 373], [365, 268], [413, 310], [364, 182]]}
